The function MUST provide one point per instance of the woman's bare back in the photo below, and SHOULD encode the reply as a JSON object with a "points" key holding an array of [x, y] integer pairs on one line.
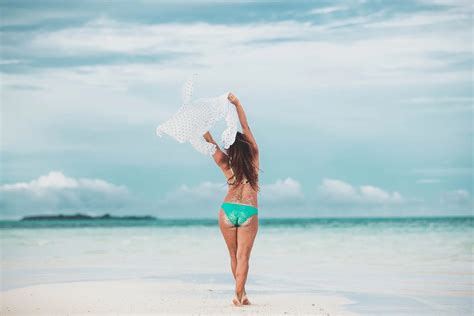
{"points": [[242, 192]]}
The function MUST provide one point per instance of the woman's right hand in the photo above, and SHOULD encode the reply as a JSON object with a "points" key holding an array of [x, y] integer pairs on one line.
{"points": [[233, 99]]}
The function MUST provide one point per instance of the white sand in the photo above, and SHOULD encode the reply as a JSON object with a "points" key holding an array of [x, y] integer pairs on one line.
{"points": [[159, 297]]}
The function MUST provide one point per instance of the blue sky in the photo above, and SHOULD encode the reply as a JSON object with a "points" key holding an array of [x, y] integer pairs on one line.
{"points": [[360, 108]]}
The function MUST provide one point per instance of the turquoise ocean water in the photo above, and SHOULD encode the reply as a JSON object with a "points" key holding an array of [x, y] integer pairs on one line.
{"points": [[417, 266]]}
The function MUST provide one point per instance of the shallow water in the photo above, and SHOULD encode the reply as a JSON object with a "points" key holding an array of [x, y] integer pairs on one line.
{"points": [[386, 266]]}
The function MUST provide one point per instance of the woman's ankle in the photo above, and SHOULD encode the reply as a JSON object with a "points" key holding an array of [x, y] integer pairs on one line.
{"points": [[240, 294]]}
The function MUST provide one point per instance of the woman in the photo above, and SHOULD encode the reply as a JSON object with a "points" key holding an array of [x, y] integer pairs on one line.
{"points": [[238, 215]]}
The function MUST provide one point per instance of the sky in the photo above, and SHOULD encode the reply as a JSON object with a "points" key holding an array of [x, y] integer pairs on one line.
{"points": [[360, 108]]}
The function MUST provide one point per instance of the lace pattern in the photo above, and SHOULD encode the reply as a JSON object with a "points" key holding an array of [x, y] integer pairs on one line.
{"points": [[194, 118]]}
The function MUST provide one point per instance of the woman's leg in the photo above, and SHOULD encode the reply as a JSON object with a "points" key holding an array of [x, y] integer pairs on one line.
{"points": [[229, 232], [245, 237]]}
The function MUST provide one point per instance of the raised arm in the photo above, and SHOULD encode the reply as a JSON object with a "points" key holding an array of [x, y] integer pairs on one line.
{"points": [[219, 157], [243, 120]]}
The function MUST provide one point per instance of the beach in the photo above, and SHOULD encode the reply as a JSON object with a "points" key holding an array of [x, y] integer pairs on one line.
{"points": [[313, 267], [158, 297]]}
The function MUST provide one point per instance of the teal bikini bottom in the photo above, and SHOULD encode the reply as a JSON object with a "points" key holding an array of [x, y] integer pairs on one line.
{"points": [[238, 213]]}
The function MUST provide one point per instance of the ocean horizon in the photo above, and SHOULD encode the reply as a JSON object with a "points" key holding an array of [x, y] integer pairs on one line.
{"points": [[208, 221]]}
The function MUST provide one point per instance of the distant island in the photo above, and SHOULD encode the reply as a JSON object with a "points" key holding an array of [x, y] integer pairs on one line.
{"points": [[83, 216]]}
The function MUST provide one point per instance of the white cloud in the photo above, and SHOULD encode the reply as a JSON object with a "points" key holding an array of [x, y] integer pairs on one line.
{"points": [[56, 192], [456, 197], [57, 180], [282, 191], [114, 36], [337, 191], [105, 35], [333, 191], [142, 92], [327, 10], [311, 53], [376, 195]]}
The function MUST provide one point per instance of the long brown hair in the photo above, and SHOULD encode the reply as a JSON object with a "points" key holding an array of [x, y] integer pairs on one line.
{"points": [[241, 157]]}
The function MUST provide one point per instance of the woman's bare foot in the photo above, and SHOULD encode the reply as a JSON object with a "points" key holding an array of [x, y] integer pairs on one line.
{"points": [[236, 301], [245, 300]]}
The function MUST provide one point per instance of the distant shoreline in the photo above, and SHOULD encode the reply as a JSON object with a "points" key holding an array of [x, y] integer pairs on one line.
{"points": [[107, 216], [107, 220], [83, 216]]}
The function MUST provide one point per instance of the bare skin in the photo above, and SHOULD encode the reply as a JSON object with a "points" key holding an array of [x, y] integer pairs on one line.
{"points": [[239, 242], [239, 239]]}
